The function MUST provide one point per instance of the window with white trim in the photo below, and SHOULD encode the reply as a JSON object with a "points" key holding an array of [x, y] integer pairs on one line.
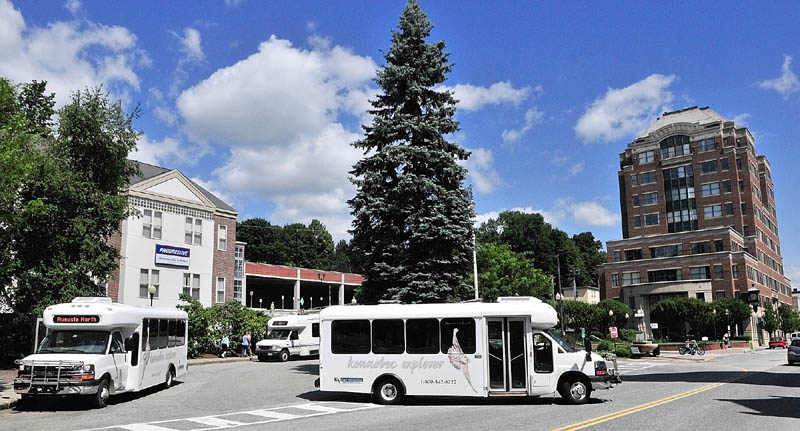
{"points": [[651, 219], [650, 198], [700, 273], [237, 290], [151, 224], [629, 278], [647, 157], [710, 189], [647, 177], [222, 237], [706, 145], [712, 211], [220, 290], [147, 278], [191, 285], [615, 279], [193, 231]]}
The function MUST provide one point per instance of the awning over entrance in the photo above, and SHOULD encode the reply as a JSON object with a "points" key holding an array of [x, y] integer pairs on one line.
{"points": [[290, 288]]}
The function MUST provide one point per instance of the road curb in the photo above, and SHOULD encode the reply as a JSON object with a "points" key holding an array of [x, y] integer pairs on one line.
{"points": [[196, 362]]}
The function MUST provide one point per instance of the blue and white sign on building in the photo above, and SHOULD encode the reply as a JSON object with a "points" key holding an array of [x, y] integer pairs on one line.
{"points": [[169, 255]]}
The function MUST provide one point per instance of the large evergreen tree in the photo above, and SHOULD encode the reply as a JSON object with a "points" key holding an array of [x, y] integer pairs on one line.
{"points": [[412, 215]]}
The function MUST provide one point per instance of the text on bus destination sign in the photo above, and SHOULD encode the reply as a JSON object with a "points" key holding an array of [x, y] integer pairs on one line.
{"points": [[76, 319]]}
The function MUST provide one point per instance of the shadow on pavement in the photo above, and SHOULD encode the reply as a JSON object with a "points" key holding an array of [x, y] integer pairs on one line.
{"points": [[446, 401], [783, 407], [310, 369], [82, 403], [761, 378]]}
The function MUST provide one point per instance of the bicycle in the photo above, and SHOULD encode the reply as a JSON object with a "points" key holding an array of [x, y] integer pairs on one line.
{"points": [[692, 348]]}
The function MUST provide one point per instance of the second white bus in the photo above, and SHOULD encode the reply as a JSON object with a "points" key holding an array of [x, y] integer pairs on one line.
{"points": [[465, 349], [97, 348]]}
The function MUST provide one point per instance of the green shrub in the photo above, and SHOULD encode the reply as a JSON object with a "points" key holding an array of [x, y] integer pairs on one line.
{"points": [[207, 325], [605, 346], [598, 334], [623, 350], [628, 334]]}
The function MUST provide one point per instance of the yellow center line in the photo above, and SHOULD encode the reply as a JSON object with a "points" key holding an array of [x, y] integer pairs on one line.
{"points": [[646, 406]]}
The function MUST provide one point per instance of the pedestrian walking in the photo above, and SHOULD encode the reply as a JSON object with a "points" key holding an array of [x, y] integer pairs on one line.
{"points": [[224, 344], [246, 344], [727, 340]]}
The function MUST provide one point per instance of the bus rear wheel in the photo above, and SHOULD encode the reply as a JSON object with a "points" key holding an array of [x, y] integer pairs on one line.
{"points": [[388, 391]]}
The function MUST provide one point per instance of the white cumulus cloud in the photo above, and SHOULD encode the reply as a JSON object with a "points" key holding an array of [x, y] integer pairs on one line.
{"points": [[592, 214], [625, 111], [165, 152], [472, 98], [281, 114], [554, 217], [481, 171], [70, 56], [787, 83], [192, 44], [532, 117]]}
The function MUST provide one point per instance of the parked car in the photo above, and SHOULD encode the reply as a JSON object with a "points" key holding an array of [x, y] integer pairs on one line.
{"points": [[777, 342], [793, 352]]}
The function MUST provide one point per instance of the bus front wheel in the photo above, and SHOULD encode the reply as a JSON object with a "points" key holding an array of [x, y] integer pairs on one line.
{"points": [[575, 390], [170, 380], [388, 391], [100, 399], [284, 355]]}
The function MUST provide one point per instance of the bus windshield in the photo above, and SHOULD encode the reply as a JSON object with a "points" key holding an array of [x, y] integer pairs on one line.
{"points": [[75, 341], [564, 345], [278, 334]]}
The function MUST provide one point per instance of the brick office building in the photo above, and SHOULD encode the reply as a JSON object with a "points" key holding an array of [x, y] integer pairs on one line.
{"points": [[698, 217]]}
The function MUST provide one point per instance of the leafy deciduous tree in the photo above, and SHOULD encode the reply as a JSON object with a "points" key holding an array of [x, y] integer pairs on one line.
{"points": [[505, 273]]}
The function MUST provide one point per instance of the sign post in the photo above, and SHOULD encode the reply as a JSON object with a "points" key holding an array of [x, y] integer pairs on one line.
{"points": [[613, 331]]}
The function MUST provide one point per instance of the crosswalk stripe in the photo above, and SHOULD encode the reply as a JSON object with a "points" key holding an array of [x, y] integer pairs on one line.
{"points": [[272, 414], [143, 427], [319, 408], [216, 422]]}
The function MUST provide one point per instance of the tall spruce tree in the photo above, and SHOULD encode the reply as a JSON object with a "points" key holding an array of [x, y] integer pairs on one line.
{"points": [[412, 215]]}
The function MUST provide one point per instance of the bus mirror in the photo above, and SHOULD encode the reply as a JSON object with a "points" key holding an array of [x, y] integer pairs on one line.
{"points": [[129, 344], [587, 345]]}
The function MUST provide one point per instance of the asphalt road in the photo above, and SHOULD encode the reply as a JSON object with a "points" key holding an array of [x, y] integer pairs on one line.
{"points": [[738, 391]]}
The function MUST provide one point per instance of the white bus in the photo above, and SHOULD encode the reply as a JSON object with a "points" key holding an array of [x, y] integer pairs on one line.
{"points": [[98, 348], [290, 335], [466, 349]]}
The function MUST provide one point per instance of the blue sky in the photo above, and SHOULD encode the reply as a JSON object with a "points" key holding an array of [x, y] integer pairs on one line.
{"points": [[258, 100]]}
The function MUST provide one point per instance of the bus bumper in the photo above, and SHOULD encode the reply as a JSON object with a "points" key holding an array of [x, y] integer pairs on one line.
{"points": [[56, 388], [605, 382]]}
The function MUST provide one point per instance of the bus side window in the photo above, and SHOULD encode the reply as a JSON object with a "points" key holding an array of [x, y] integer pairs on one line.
{"points": [[315, 330], [153, 340], [542, 354], [350, 336], [145, 333], [465, 335], [163, 333], [387, 336], [173, 326], [422, 336], [135, 350], [181, 335]]}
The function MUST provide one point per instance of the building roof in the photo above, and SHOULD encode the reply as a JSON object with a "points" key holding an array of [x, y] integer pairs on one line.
{"points": [[148, 171], [688, 115]]}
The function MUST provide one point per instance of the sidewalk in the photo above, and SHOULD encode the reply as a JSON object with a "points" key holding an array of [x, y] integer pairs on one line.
{"points": [[709, 356], [9, 398]]}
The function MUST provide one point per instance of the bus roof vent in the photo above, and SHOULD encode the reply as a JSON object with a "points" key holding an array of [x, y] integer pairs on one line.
{"points": [[92, 299], [518, 299]]}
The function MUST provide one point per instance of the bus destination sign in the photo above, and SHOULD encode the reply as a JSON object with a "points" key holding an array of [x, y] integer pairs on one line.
{"points": [[76, 319]]}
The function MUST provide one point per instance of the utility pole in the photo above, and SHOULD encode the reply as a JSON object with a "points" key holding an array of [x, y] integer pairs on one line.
{"points": [[560, 293], [475, 264]]}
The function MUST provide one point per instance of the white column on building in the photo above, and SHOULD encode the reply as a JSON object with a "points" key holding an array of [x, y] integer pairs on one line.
{"points": [[341, 291], [297, 291]]}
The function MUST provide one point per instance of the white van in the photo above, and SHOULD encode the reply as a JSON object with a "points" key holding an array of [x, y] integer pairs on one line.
{"points": [[466, 349], [98, 348], [291, 335]]}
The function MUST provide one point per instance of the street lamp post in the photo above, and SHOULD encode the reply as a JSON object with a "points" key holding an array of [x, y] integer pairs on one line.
{"points": [[282, 302], [714, 321], [611, 322], [251, 299], [152, 291], [260, 305], [560, 300]]}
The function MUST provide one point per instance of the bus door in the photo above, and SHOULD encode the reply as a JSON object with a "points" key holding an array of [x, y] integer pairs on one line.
{"points": [[120, 360], [542, 375], [506, 351]]}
